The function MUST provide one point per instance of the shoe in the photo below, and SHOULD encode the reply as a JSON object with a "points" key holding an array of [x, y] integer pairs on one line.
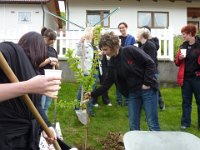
{"points": [[109, 104], [161, 104], [183, 127], [95, 105], [73, 148]]}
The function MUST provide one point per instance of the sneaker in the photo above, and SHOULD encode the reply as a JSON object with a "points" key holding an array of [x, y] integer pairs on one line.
{"points": [[96, 105], [183, 127], [73, 148], [109, 104], [161, 104]]}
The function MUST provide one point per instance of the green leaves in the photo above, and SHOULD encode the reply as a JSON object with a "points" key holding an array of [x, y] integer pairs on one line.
{"points": [[89, 80], [97, 34]]}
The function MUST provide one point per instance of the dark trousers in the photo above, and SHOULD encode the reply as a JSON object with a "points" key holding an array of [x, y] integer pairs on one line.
{"points": [[190, 87], [105, 97]]}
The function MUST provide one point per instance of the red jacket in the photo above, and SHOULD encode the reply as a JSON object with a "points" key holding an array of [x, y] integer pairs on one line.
{"points": [[181, 70]]}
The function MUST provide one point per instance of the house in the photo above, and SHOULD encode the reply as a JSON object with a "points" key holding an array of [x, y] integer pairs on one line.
{"points": [[158, 14], [165, 17], [20, 16]]}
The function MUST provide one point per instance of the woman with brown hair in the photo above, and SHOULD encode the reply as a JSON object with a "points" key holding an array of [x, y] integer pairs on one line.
{"points": [[51, 61]]}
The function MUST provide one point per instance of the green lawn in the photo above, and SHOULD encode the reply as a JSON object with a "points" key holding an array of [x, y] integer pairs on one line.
{"points": [[115, 118]]}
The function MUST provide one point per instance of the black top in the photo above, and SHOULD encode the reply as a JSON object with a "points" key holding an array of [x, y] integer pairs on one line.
{"points": [[150, 48], [123, 40], [129, 70], [191, 60], [18, 128], [51, 53], [156, 42]]}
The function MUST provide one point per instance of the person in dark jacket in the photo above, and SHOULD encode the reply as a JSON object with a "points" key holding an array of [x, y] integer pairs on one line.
{"points": [[157, 45], [18, 127], [125, 40], [189, 73], [133, 72], [51, 62]]}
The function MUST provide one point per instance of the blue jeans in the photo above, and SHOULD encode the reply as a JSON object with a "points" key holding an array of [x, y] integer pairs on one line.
{"points": [[148, 99], [189, 87], [45, 102]]}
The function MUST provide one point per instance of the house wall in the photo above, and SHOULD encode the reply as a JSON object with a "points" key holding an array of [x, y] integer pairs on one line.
{"points": [[9, 18], [167, 69], [128, 11]]}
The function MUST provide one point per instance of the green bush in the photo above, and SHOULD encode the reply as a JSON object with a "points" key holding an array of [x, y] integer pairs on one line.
{"points": [[178, 40]]}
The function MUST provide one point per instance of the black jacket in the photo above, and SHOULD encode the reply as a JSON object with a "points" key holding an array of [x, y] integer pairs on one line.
{"points": [[149, 47], [18, 127], [129, 70]]}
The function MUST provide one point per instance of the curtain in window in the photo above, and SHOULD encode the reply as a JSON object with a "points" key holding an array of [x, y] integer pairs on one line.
{"points": [[93, 19], [160, 20], [144, 19]]}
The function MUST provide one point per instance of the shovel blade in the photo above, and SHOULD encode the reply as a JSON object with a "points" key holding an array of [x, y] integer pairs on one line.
{"points": [[82, 116]]}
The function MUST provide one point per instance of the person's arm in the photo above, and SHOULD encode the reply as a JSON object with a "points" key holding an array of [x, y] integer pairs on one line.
{"points": [[37, 85], [109, 80], [144, 60], [45, 62]]}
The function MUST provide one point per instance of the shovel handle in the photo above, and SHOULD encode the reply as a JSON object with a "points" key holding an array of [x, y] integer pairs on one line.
{"points": [[11, 76]]}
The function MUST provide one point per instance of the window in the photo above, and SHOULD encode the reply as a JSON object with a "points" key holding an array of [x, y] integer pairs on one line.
{"points": [[100, 17], [24, 17], [153, 19]]}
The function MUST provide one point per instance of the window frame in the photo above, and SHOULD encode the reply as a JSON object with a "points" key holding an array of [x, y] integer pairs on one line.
{"points": [[152, 18], [101, 13], [27, 12]]}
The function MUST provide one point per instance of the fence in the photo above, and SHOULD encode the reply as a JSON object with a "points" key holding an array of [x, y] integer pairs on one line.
{"points": [[68, 39]]}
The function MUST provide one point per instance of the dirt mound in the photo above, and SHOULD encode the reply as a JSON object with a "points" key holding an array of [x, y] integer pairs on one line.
{"points": [[113, 141]]}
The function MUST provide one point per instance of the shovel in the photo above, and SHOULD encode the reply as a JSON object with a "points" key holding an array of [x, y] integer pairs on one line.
{"points": [[82, 113]]}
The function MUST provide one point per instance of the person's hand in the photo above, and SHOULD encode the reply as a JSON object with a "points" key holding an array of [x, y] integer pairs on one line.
{"points": [[43, 85], [87, 95], [144, 87], [82, 39], [181, 57], [50, 140], [53, 61]]}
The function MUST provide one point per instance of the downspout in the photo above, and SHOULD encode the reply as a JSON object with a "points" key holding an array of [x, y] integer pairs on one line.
{"points": [[67, 11], [43, 14]]}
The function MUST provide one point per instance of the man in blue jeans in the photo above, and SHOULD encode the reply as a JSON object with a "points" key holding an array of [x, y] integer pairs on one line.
{"points": [[133, 72]]}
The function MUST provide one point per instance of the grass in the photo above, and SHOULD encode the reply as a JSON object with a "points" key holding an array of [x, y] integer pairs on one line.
{"points": [[115, 118]]}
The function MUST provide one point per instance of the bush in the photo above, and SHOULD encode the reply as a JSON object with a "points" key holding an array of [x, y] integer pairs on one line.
{"points": [[178, 40]]}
